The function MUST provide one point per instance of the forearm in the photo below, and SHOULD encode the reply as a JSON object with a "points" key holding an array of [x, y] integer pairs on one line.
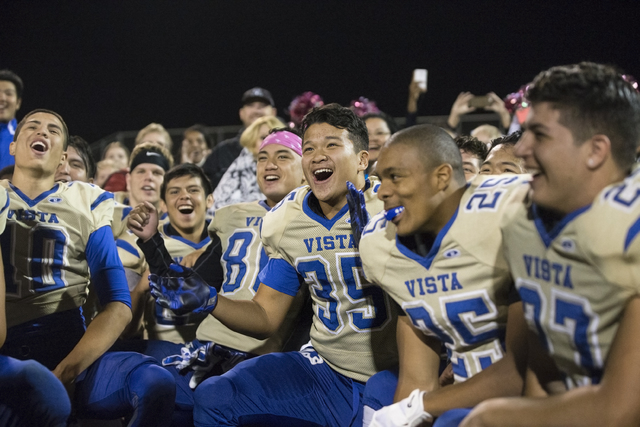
{"points": [[498, 380], [103, 331], [246, 317], [156, 254], [584, 406]]}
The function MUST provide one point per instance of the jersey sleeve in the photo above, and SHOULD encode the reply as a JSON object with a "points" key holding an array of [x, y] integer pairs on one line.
{"points": [[102, 205], [107, 273], [4, 208], [372, 265], [281, 276]]}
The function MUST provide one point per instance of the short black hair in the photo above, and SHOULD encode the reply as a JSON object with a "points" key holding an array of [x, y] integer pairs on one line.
{"points": [[186, 169], [511, 139], [200, 129], [7, 170], [593, 99], [391, 123], [294, 131], [473, 146], [342, 118], [436, 147], [82, 147], [65, 129], [10, 76]]}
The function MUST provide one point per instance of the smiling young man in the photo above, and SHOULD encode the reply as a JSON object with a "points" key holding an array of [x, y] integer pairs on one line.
{"points": [[501, 158], [11, 88], [308, 239], [573, 251], [58, 237], [232, 266], [79, 164], [427, 252]]}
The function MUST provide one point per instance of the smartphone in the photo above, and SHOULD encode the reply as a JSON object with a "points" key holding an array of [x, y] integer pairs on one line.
{"points": [[480, 101], [420, 76]]}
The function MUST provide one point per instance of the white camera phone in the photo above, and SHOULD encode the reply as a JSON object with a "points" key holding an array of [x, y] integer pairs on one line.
{"points": [[420, 76]]}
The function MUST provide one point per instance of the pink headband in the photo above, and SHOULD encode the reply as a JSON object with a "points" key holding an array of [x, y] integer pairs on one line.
{"points": [[284, 138]]}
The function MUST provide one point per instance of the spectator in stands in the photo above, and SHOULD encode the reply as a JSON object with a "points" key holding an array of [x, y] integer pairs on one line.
{"points": [[117, 152], [10, 99], [256, 103], [196, 145], [239, 184], [486, 134], [415, 92], [474, 152], [461, 107], [79, 164], [501, 158], [104, 169], [149, 162], [156, 133], [380, 127]]}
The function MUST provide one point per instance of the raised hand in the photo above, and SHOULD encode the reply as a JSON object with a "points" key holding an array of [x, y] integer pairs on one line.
{"points": [[357, 211], [143, 221], [183, 291]]}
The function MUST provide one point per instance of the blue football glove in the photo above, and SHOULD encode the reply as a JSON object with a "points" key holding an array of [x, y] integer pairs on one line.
{"points": [[183, 291], [357, 211]]}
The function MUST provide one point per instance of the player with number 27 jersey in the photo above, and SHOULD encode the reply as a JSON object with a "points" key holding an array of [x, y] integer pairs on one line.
{"points": [[354, 323], [459, 291], [575, 279]]}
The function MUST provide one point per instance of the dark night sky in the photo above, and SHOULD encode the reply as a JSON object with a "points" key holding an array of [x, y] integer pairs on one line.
{"points": [[118, 65]]}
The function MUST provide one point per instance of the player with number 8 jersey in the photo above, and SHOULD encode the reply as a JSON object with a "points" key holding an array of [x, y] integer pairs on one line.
{"points": [[353, 319]]}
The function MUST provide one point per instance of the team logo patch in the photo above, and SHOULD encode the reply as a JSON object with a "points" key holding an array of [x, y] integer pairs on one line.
{"points": [[54, 199], [451, 253], [568, 245], [348, 220]]}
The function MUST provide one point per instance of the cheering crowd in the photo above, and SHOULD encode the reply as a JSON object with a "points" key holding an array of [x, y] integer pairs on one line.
{"points": [[329, 271]]}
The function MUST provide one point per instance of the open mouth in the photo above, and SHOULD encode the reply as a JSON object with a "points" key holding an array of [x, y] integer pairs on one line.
{"points": [[39, 146], [270, 178], [322, 174], [148, 188], [186, 209]]}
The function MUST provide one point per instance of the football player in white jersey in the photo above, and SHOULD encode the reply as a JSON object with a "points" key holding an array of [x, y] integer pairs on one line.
{"points": [[29, 393], [573, 250], [58, 237], [309, 239], [236, 247], [437, 251]]}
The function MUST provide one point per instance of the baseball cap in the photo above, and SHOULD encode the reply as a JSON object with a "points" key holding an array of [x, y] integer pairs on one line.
{"points": [[258, 94]]}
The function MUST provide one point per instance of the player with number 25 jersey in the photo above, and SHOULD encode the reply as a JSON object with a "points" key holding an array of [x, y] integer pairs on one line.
{"points": [[457, 293]]}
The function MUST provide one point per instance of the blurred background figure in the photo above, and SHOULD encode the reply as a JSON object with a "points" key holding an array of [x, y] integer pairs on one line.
{"points": [[474, 152], [380, 127], [301, 105], [11, 88], [486, 134], [239, 183], [118, 153], [501, 158], [196, 145], [256, 102], [466, 102], [155, 133], [104, 170], [79, 164]]}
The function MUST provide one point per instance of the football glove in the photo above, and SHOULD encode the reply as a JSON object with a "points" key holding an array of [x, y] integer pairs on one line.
{"points": [[357, 211], [408, 412], [183, 291], [203, 359]]}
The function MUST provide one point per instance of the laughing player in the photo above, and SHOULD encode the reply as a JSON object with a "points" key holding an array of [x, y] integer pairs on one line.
{"points": [[58, 237]]}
